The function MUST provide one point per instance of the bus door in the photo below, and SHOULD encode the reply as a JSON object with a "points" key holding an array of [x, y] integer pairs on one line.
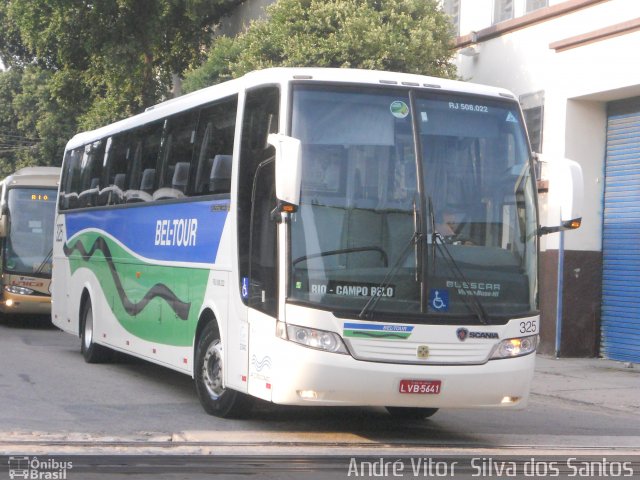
{"points": [[257, 235]]}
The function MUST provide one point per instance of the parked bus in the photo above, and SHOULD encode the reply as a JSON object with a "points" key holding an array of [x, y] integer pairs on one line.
{"points": [[27, 210], [312, 237]]}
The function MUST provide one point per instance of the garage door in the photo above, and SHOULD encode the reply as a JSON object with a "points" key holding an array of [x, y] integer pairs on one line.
{"points": [[621, 234]]}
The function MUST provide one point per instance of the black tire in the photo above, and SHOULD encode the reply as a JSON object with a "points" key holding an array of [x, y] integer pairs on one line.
{"points": [[214, 397], [92, 352], [411, 413]]}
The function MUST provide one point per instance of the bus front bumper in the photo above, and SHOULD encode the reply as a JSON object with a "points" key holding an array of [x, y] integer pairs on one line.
{"points": [[12, 303], [304, 376]]}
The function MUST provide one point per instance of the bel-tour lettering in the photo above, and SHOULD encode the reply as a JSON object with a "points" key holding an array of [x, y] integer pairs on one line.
{"points": [[181, 232]]}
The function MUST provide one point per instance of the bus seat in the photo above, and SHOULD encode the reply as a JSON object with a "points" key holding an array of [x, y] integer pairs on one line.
{"points": [[89, 196], [220, 178], [119, 180], [133, 196], [113, 194], [202, 177], [181, 176], [142, 194], [178, 186], [148, 180]]}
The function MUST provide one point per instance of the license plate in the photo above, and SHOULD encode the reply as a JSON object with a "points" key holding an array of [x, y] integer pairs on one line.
{"points": [[425, 387]]}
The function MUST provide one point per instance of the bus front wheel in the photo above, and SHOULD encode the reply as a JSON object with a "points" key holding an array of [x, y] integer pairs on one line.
{"points": [[214, 397], [91, 351]]}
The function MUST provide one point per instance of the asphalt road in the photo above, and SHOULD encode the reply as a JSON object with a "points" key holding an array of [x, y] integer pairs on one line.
{"points": [[52, 402]]}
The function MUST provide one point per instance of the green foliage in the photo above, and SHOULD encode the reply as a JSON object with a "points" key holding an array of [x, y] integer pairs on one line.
{"points": [[12, 139], [412, 36], [37, 116], [78, 64]]}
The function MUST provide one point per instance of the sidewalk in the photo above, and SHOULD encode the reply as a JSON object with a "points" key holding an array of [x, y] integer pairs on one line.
{"points": [[603, 384]]}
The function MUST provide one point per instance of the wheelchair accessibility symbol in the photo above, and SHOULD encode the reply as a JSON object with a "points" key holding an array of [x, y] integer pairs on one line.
{"points": [[245, 288], [439, 300]]}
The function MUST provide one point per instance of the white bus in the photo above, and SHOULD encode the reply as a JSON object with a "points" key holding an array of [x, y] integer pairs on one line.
{"points": [[310, 237], [27, 212]]}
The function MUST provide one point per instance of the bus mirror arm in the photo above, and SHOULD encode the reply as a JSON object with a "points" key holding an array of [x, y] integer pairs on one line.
{"points": [[281, 208], [568, 225], [288, 170]]}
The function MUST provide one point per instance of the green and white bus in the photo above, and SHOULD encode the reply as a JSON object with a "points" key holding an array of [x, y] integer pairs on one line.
{"points": [[311, 237], [27, 212]]}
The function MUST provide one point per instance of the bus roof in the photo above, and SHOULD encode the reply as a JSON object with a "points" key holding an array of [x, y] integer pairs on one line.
{"points": [[282, 75], [34, 177]]}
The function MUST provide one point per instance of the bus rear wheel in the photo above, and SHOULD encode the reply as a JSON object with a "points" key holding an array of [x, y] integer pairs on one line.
{"points": [[214, 397], [411, 413], [91, 351]]}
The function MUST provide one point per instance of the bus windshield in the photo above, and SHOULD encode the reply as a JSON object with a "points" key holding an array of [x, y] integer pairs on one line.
{"points": [[413, 203], [28, 247]]}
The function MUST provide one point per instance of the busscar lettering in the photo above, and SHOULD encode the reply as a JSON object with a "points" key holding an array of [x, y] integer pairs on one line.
{"points": [[180, 232], [478, 289]]}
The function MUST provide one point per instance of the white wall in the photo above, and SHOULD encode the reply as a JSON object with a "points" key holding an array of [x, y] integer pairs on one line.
{"points": [[577, 83]]}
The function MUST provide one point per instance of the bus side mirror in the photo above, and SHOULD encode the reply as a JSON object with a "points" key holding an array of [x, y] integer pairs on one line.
{"points": [[566, 193], [288, 170]]}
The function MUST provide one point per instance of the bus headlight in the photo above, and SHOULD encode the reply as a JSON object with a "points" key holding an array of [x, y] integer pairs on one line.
{"points": [[515, 347], [16, 290], [312, 338]]}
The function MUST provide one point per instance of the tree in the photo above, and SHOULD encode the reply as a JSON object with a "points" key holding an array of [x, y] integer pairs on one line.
{"points": [[37, 116], [123, 51], [412, 36], [79, 64], [12, 139]]}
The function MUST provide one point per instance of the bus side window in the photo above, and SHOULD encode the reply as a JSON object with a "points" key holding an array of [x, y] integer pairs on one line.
{"points": [[177, 149], [91, 170], [116, 160], [71, 178], [216, 133], [257, 234], [146, 148]]}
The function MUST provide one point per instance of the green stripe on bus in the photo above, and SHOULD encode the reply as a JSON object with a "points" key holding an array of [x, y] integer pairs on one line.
{"points": [[374, 334], [156, 303]]}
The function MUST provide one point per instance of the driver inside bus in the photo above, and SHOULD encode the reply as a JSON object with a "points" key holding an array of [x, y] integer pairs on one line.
{"points": [[450, 183]]}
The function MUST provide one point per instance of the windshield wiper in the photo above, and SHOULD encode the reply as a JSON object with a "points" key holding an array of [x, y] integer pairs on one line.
{"points": [[469, 298], [371, 304], [417, 240], [46, 260]]}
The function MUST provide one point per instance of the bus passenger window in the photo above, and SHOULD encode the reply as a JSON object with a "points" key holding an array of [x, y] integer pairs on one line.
{"points": [[114, 175], [214, 148], [145, 156], [177, 150], [91, 170], [71, 178]]}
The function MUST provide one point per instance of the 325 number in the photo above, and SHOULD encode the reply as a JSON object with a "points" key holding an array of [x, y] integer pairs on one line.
{"points": [[530, 326]]}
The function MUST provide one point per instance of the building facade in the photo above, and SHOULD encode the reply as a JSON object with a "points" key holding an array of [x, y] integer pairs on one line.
{"points": [[573, 65]]}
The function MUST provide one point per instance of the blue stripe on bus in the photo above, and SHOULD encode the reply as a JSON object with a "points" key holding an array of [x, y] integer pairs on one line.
{"points": [[178, 232], [387, 328]]}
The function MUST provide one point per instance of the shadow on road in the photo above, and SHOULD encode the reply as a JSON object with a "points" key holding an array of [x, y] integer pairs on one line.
{"points": [[30, 322]]}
